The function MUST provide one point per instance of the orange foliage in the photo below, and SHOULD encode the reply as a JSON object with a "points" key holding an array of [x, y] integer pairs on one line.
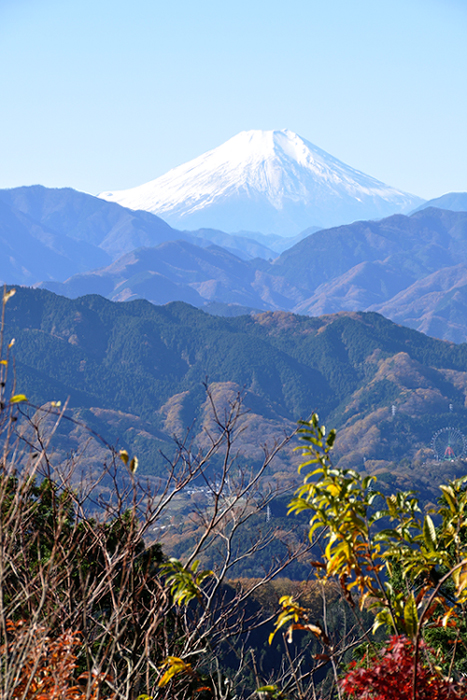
{"points": [[45, 667]]}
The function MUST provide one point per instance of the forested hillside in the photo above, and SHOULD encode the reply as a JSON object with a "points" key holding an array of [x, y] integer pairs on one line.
{"points": [[136, 373]]}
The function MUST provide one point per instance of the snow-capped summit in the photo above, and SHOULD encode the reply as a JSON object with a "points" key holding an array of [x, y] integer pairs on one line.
{"points": [[268, 181]]}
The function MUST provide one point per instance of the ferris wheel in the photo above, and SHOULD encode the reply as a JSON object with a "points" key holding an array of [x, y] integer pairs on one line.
{"points": [[448, 444]]}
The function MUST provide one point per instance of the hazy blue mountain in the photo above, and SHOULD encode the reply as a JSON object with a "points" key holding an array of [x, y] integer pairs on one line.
{"points": [[417, 245], [400, 266], [453, 201], [174, 271], [364, 284], [435, 305], [71, 242], [32, 251], [82, 217], [86, 233], [245, 245], [361, 266]]}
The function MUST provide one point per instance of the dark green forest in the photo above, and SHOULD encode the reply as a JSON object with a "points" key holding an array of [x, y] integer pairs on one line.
{"points": [[151, 363]]}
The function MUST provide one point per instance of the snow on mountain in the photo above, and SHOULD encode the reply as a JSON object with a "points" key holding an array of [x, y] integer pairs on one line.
{"points": [[268, 181]]}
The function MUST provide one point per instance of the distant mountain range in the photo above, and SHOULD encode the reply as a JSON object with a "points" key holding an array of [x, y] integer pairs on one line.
{"points": [[453, 201], [410, 268], [51, 234], [274, 182]]}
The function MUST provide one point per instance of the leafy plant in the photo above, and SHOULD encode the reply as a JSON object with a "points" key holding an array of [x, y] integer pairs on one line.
{"points": [[46, 668], [388, 676], [370, 539]]}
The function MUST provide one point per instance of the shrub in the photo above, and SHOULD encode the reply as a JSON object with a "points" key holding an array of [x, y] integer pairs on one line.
{"points": [[45, 668], [388, 676]]}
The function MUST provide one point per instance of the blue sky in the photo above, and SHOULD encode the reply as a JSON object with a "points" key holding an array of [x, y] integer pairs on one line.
{"points": [[101, 95]]}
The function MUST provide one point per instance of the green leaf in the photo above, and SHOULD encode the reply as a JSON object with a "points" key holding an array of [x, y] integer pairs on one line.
{"points": [[411, 616], [450, 496], [377, 516], [429, 533], [331, 438], [383, 617]]}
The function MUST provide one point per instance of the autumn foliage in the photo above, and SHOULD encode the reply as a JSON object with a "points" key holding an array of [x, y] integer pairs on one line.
{"points": [[389, 676], [45, 668]]}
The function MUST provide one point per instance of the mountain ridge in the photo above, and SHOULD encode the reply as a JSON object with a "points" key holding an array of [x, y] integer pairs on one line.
{"points": [[452, 201], [73, 232], [361, 266], [55, 236], [135, 373]]}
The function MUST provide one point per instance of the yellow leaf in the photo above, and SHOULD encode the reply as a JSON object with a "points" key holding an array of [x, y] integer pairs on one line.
{"points": [[286, 600], [450, 497], [123, 454], [174, 666], [8, 295], [410, 616], [18, 398], [134, 465], [462, 581], [446, 617]]}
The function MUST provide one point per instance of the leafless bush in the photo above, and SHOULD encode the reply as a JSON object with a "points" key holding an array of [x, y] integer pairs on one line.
{"points": [[77, 553]]}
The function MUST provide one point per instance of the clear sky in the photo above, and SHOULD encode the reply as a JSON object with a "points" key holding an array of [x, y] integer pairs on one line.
{"points": [[104, 95]]}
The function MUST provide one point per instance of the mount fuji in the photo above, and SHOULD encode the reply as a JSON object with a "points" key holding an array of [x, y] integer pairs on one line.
{"points": [[274, 182]]}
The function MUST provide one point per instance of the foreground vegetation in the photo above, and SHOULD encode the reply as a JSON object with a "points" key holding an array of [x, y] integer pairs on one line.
{"points": [[90, 606]]}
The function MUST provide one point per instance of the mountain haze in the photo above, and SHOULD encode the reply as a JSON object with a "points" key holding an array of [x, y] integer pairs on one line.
{"points": [[267, 181], [172, 271], [410, 268], [33, 251], [53, 234], [453, 201]]}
